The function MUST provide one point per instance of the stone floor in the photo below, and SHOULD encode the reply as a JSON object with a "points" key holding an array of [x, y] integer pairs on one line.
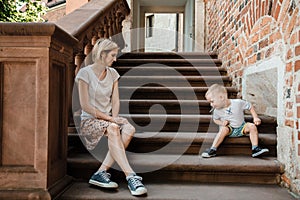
{"points": [[183, 191]]}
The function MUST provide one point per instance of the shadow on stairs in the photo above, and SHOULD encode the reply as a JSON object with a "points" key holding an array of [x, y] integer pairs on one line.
{"points": [[162, 95]]}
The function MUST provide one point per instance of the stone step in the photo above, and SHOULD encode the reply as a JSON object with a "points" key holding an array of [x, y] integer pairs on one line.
{"points": [[173, 81], [168, 62], [165, 168], [167, 71], [180, 191], [187, 123], [136, 106], [180, 93], [184, 143], [168, 55]]}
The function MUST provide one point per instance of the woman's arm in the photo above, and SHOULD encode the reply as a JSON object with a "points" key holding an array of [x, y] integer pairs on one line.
{"points": [[83, 89], [115, 100]]}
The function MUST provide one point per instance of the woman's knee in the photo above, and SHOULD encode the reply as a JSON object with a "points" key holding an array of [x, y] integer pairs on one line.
{"points": [[113, 129], [129, 129]]}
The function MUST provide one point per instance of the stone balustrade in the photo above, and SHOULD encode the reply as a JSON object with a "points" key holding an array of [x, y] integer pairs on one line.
{"points": [[35, 63], [96, 19]]}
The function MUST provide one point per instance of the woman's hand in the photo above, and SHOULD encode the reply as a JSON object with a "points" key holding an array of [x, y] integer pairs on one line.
{"points": [[119, 120]]}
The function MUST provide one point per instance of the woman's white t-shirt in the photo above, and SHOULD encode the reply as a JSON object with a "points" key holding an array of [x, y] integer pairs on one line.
{"points": [[100, 91]]}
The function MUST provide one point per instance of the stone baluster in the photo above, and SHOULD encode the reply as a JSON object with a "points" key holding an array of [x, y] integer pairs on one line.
{"points": [[79, 58], [87, 52]]}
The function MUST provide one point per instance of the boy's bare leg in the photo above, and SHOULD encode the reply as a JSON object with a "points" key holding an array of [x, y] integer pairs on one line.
{"points": [[253, 133], [223, 132]]}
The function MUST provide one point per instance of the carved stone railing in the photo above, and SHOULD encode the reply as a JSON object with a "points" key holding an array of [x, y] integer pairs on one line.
{"points": [[35, 61], [96, 19]]}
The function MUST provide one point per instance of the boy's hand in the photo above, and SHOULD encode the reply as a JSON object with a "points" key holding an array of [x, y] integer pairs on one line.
{"points": [[225, 123], [257, 121]]}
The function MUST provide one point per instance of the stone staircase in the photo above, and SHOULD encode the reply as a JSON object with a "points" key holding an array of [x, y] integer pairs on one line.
{"points": [[162, 95]]}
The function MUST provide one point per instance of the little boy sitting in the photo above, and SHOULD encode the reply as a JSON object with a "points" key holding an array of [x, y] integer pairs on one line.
{"points": [[229, 115]]}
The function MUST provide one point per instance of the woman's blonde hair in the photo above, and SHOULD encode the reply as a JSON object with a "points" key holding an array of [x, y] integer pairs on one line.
{"points": [[102, 45]]}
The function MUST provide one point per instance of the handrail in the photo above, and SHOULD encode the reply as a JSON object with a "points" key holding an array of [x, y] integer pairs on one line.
{"points": [[96, 19]]}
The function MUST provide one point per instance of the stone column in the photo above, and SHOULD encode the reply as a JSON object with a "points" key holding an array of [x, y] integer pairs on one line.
{"points": [[35, 61]]}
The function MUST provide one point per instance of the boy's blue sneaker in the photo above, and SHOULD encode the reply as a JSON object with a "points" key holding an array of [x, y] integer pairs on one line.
{"points": [[209, 153], [259, 151], [102, 179], [135, 185]]}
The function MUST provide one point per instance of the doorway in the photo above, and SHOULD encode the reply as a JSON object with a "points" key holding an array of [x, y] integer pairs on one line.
{"points": [[163, 32], [146, 15]]}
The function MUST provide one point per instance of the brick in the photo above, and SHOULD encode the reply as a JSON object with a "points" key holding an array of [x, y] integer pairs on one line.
{"points": [[274, 37], [265, 31], [298, 112], [298, 149], [254, 38], [289, 123], [249, 52], [269, 52], [293, 39], [252, 60], [266, 21], [289, 105], [298, 98], [299, 138], [263, 9], [255, 29], [297, 65], [277, 11], [288, 67], [297, 50], [289, 114], [292, 23], [289, 54], [263, 43]]}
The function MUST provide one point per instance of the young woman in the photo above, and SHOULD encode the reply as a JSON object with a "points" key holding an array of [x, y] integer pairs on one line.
{"points": [[99, 100]]}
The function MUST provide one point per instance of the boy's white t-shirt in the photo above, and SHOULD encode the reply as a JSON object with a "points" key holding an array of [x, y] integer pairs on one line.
{"points": [[234, 113], [100, 92]]}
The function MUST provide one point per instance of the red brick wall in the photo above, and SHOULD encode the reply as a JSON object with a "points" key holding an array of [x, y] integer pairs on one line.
{"points": [[248, 32]]}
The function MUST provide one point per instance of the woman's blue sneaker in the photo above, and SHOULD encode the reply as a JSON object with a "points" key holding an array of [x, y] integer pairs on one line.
{"points": [[102, 179], [135, 185]]}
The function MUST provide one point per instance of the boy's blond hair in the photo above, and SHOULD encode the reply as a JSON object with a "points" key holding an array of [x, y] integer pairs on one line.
{"points": [[216, 89]]}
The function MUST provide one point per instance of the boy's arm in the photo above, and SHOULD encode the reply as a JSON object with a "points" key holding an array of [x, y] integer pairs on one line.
{"points": [[256, 119], [221, 123]]}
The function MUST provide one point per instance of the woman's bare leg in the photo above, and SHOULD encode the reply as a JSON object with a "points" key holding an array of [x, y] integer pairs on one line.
{"points": [[126, 136]]}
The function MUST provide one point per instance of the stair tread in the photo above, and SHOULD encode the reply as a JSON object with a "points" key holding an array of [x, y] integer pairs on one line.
{"points": [[204, 102], [182, 67], [196, 89], [162, 54], [187, 137], [180, 191], [265, 119], [157, 60], [228, 163], [165, 76]]}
